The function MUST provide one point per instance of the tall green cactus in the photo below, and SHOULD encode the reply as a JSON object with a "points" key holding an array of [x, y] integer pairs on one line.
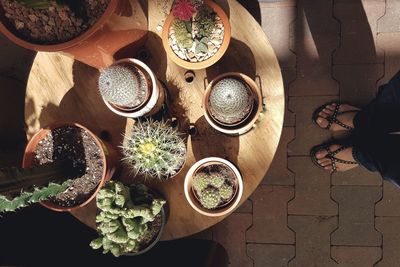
{"points": [[124, 218]]}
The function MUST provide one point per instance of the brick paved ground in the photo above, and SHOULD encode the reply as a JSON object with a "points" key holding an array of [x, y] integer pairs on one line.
{"points": [[301, 215]]}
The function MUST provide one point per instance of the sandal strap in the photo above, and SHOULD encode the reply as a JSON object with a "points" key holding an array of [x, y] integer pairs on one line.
{"points": [[331, 156], [334, 115]]}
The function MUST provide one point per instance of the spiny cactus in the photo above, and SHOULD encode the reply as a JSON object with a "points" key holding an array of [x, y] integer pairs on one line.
{"points": [[183, 9], [213, 189], [125, 217], [182, 34], [210, 198], [154, 149], [123, 85], [230, 101], [205, 21]]}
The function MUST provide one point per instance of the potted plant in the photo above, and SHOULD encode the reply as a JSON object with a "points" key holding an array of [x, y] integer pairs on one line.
{"points": [[130, 220], [129, 88], [196, 34], [213, 186], [85, 29], [94, 160], [232, 103], [154, 149]]}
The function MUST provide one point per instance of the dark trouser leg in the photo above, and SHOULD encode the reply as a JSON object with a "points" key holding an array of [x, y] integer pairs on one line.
{"points": [[379, 153], [382, 115]]}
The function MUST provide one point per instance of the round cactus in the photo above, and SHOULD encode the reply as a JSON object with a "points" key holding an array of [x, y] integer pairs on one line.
{"points": [[123, 85], [230, 101], [226, 191], [200, 182], [210, 198], [154, 149], [216, 180]]}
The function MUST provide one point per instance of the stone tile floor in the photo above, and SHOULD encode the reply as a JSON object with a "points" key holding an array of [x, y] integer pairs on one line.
{"points": [[299, 215]]}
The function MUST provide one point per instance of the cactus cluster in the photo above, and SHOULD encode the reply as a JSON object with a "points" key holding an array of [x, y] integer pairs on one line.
{"points": [[184, 9], [230, 101], [182, 34], [125, 218], [154, 149], [213, 189], [124, 85], [205, 21]]}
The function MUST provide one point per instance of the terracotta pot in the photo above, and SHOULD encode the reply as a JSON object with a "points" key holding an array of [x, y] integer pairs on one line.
{"points": [[156, 96], [192, 198], [122, 26], [108, 154], [208, 62], [247, 124]]}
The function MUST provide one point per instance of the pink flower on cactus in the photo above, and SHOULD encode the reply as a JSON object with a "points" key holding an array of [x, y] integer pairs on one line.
{"points": [[183, 9]]}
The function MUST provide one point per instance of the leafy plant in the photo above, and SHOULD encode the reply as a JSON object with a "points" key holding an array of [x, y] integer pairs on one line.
{"points": [[205, 21], [28, 186], [183, 9], [212, 189], [125, 217], [154, 149]]}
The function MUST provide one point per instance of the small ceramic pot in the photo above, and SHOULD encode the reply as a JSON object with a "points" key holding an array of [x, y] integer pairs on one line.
{"points": [[245, 125], [192, 198], [108, 154], [155, 96], [208, 62]]}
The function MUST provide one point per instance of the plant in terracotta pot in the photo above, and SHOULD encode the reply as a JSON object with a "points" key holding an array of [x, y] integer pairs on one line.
{"points": [[93, 161], [196, 34], [154, 149], [232, 103], [129, 88], [213, 186], [130, 219]]}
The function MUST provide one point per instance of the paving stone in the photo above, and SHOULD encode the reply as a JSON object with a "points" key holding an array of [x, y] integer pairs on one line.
{"points": [[390, 22], [278, 173], [265, 255], [231, 234], [389, 227], [389, 42], [308, 134], [270, 215], [246, 207], [356, 256], [312, 189], [356, 176], [358, 83], [390, 203], [312, 240], [358, 20], [275, 23], [356, 216], [314, 36], [288, 75]]}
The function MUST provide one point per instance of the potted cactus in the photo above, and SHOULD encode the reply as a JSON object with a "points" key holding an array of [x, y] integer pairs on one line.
{"points": [[196, 33], [130, 220], [94, 161], [84, 29], [129, 88], [213, 186], [232, 103], [154, 149]]}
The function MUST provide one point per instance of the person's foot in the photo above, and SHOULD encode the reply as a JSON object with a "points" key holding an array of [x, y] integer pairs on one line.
{"points": [[345, 115], [345, 155]]}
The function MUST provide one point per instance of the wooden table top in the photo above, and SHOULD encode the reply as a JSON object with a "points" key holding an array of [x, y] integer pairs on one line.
{"points": [[61, 89]]}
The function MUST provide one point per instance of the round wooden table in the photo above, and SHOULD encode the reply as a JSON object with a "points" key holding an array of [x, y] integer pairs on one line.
{"points": [[61, 89]]}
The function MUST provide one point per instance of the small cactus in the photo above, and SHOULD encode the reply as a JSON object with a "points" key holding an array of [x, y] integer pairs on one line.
{"points": [[183, 36], [226, 192], [200, 182], [183, 9], [154, 149], [123, 85], [217, 180], [210, 198], [230, 101]]}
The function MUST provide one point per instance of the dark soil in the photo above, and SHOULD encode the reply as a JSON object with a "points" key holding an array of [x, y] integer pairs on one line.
{"points": [[154, 228], [76, 145], [55, 24]]}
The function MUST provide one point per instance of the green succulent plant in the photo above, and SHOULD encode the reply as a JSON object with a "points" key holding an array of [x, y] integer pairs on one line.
{"points": [[226, 192], [210, 198], [205, 21], [125, 217], [200, 182], [154, 149], [183, 33]]}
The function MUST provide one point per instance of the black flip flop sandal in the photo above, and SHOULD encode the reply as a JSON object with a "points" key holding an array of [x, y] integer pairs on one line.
{"points": [[332, 119], [331, 155]]}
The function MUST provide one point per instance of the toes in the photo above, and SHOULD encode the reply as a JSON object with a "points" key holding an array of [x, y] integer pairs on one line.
{"points": [[328, 111], [323, 114], [322, 121], [321, 154], [324, 162], [334, 147], [331, 107]]}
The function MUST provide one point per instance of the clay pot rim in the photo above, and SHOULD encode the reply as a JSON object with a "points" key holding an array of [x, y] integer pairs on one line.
{"points": [[197, 206], [61, 46], [153, 87], [32, 144], [246, 124], [208, 62]]}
